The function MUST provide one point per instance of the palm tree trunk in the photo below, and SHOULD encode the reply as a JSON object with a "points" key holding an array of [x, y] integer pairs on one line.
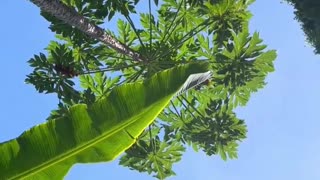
{"points": [[71, 17]]}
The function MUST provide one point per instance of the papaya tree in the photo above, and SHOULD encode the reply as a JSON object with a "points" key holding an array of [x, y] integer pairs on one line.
{"points": [[86, 64]]}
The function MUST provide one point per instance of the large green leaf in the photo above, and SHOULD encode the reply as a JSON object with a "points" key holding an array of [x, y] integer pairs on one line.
{"points": [[95, 133]]}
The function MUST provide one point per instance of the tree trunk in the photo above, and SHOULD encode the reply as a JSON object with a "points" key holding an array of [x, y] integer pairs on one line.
{"points": [[71, 17]]}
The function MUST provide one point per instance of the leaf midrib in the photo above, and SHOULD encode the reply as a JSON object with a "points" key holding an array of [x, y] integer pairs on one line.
{"points": [[72, 152]]}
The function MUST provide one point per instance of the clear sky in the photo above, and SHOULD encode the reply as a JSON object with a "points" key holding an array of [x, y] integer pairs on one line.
{"points": [[283, 118]]}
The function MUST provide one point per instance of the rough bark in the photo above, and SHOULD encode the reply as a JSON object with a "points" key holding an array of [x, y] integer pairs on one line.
{"points": [[71, 17]]}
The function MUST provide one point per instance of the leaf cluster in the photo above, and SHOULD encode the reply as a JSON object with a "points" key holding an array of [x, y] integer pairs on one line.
{"points": [[307, 13]]}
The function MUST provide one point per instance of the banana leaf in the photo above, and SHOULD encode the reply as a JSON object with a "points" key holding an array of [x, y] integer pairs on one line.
{"points": [[95, 133]]}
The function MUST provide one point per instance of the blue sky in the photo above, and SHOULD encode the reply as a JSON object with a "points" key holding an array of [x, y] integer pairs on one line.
{"points": [[283, 118]]}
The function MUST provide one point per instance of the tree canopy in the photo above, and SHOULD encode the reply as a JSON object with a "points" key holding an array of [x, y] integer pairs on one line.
{"points": [[307, 13], [85, 63]]}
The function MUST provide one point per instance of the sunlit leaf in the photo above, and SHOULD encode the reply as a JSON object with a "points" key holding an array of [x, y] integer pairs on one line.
{"points": [[95, 133]]}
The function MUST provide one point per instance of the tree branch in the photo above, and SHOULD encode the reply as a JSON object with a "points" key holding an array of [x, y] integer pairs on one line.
{"points": [[73, 18]]}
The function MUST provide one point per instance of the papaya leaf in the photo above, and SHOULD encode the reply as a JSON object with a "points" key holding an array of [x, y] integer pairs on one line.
{"points": [[94, 133]]}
